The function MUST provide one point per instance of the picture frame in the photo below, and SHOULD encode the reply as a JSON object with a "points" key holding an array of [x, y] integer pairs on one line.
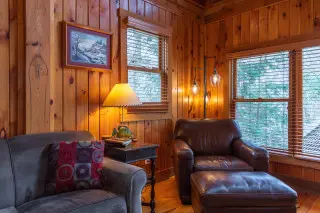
{"points": [[86, 48]]}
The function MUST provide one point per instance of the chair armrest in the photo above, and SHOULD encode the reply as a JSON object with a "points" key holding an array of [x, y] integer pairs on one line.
{"points": [[182, 150], [257, 157], [183, 167], [126, 180]]}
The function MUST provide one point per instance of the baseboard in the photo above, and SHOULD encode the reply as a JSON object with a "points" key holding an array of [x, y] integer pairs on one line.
{"points": [[300, 185], [164, 174]]}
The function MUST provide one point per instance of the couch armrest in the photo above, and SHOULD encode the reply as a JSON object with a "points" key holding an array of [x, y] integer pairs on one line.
{"points": [[257, 157], [183, 167], [126, 180]]}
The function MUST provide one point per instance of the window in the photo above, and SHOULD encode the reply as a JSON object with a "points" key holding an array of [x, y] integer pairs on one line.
{"points": [[310, 102], [147, 56], [261, 97], [276, 100]]}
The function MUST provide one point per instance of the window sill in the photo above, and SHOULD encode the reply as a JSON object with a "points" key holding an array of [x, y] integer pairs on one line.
{"points": [[286, 159]]}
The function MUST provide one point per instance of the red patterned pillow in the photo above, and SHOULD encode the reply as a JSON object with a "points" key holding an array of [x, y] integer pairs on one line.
{"points": [[75, 166]]}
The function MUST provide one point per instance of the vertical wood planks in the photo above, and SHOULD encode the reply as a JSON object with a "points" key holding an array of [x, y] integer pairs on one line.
{"points": [[273, 30], [254, 27], [5, 66], [13, 75], [263, 24], [39, 86], [284, 15], [245, 28], [295, 17], [237, 30], [82, 75], [58, 97]]}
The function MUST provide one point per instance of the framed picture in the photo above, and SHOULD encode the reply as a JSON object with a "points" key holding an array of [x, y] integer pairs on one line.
{"points": [[86, 48]]}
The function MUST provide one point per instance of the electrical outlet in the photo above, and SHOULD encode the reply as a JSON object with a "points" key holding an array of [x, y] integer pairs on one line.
{"points": [[147, 161]]}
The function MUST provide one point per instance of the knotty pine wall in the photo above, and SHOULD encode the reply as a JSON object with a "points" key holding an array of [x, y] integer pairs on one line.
{"points": [[278, 21], [38, 95]]}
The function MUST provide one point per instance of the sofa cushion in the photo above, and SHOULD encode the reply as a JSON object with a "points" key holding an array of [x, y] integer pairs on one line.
{"points": [[208, 137], [29, 155], [75, 165], [6, 177], [240, 189], [93, 201], [9, 210], [220, 163]]}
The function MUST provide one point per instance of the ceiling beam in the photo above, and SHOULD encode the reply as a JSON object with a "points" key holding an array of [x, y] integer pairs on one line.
{"points": [[227, 8]]}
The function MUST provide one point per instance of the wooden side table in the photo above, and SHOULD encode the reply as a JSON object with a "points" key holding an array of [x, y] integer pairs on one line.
{"points": [[133, 153]]}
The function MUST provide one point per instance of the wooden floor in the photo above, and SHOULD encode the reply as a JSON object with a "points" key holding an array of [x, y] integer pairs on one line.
{"points": [[167, 200]]}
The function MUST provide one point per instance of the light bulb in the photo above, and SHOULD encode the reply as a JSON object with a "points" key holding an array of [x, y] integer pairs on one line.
{"points": [[215, 78], [195, 88], [207, 97]]}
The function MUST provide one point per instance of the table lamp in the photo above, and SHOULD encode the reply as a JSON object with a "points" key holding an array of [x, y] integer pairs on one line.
{"points": [[122, 95]]}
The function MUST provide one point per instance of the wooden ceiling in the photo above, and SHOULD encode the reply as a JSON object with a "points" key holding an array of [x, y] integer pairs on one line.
{"points": [[206, 2]]}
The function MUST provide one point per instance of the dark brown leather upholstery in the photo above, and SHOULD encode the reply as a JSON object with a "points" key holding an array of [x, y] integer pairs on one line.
{"points": [[220, 163], [212, 145], [241, 191]]}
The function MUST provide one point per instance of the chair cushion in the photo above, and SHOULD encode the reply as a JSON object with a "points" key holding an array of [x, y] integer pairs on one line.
{"points": [[93, 201], [75, 165], [9, 210], [241, 189], [220, 163]]}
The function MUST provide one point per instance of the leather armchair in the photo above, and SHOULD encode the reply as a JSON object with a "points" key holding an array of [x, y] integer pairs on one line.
{"points": [[212, 145]]}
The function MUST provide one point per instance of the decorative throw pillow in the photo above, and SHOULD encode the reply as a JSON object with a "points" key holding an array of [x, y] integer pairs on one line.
{"points": [[75, 166]]}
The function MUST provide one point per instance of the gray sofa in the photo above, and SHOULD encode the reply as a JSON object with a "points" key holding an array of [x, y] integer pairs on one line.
{"points": [[23, 171]]}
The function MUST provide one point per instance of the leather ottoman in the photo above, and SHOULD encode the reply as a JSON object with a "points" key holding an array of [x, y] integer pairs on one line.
{"points": [[235, 192]]}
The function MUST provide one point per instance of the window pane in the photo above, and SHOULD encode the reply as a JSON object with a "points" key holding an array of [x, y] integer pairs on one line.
{"points": [[147, 85], [142, 49], [311, 100], [265, 76], [264, 124]]}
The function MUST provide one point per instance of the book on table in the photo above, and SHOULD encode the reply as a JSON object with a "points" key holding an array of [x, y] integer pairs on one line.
{"points": [[119, 141]]}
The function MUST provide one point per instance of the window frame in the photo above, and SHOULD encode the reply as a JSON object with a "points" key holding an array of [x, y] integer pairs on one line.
{"points": [[158, 109], [294, 45]]}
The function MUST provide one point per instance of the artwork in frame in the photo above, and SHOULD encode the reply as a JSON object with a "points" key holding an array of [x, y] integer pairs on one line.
{"points": [[86, 48]]}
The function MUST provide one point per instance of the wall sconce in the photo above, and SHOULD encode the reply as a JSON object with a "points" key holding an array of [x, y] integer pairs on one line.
{"points": [[195, 86], [207, 97]]}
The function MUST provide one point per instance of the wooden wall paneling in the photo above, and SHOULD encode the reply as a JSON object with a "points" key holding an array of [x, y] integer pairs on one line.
{"points": [[124, 4], [317, 176], [155, 139], [104, 80], [295, 24], [186, 70], [254, 27], [284, 15], [180, 66], [21, 111], [69, 77], [155, 13], [113, 113], [13, 75], [273, 31], [162, 142], [94, 77], [162, 16], [58, 97], [133, 6], [148, 9], [316, 15], [195, 70], [168, 145], [308, 174], [306, 18], [245, 29], [175, 51], [140, 7], [147, 139], [39, 71], [237, 30], [200, 71], [82, 86], [264, 24]]}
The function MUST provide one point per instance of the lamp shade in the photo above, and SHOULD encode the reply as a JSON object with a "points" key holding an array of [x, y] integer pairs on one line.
{"points": [[122, 95]]}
